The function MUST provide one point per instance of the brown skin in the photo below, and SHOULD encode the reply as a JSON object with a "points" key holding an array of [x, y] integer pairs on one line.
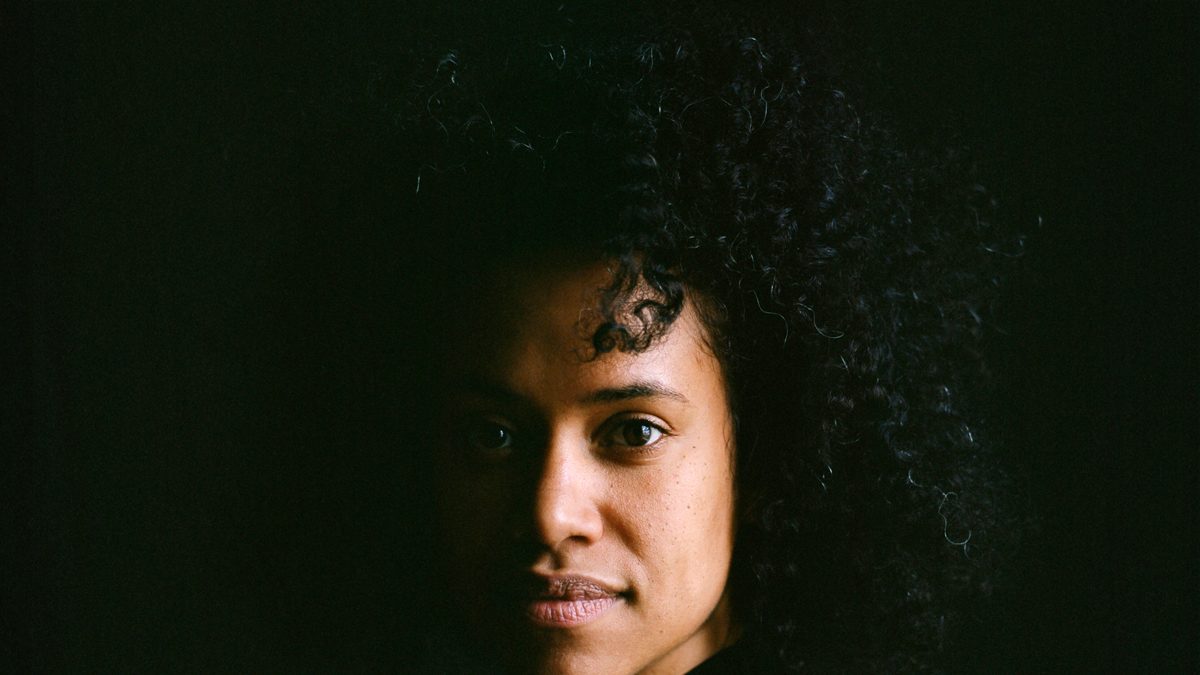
{"points": [[618, 468]]}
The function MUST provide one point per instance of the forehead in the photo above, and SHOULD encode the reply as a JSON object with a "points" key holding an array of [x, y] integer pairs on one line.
{"points": [[547, 299], [549, 310]]}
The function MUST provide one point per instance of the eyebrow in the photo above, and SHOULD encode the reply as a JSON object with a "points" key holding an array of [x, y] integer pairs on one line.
{"points": [[489, 388], [633, 390], [640, 389]]}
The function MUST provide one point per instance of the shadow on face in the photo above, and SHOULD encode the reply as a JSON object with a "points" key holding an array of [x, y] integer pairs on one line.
{"points": [[585, 501]]}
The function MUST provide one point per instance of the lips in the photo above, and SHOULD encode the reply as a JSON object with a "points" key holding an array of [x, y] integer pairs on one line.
{"points": [[568, 601]]}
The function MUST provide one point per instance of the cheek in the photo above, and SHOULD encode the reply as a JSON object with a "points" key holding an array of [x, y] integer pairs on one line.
{"points": [[707, 515], [681, 528], [470, 517]]}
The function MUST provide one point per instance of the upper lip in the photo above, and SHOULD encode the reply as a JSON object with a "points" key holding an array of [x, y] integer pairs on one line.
{"points": [[570, 587]]}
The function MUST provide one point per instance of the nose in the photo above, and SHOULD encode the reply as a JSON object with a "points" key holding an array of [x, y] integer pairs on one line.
{"points": [[567, 498]]}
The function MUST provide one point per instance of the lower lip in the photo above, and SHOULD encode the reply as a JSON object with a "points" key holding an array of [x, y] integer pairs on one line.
{"points": [[568, 613]]}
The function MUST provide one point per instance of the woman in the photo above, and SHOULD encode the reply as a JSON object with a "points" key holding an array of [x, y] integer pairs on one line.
{"points": [[705, 351]]}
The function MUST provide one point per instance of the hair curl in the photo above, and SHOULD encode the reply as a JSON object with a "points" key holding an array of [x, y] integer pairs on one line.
{"points": [[845, 283]]}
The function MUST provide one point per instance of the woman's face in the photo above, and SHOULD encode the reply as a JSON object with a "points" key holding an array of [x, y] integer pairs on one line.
{"points": [[586, 504]]}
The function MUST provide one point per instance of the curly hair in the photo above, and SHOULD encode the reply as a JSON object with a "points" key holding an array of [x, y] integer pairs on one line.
{"points": [[846, 285]]}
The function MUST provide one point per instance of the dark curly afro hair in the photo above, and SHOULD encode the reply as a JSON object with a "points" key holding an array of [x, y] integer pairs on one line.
{"points": [[847, 286]]}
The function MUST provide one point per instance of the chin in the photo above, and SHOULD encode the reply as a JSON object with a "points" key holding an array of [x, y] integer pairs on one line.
{"points": [[567, 661]]}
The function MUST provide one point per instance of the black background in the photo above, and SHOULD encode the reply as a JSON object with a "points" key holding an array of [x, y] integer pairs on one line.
{"points": [[200, 469]]}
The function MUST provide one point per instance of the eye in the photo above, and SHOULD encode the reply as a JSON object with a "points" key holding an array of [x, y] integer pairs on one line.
{"points": [[634, 433], [490, 438]]}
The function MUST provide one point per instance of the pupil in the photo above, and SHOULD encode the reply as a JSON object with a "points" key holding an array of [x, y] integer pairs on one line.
{"points": [[490, 437], [638, 433]]}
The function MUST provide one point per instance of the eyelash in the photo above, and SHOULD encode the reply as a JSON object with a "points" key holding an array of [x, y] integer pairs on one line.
{"points": [[610, 436], [473, 436]]}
